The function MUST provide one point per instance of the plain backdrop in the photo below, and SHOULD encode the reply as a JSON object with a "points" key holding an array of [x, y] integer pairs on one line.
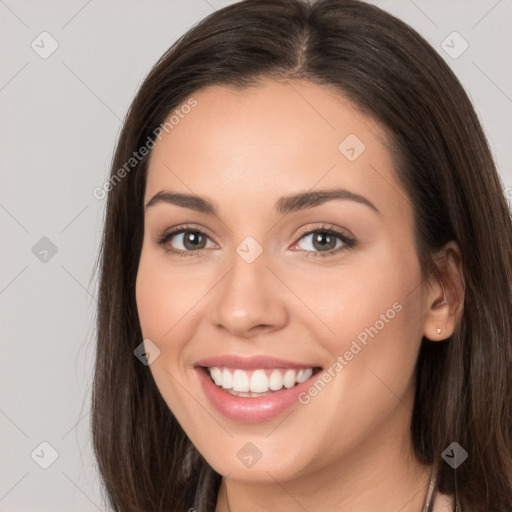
{"points": [[61, 114]]}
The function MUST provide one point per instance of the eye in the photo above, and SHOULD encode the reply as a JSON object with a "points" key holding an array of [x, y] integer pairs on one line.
{"points": [[192, 241], [325, 241]]}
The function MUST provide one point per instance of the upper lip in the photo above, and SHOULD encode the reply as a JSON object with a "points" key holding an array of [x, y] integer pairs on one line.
{"points": [[250, 362]]}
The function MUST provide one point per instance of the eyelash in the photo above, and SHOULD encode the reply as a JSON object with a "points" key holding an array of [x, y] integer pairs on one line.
{"points": [[349, 243]]}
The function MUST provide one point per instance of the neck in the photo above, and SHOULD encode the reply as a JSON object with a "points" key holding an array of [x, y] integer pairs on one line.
{"points": [[374, 480]]}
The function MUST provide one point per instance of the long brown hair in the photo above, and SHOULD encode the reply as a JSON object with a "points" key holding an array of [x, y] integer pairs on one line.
{"points": [[463, 386]]}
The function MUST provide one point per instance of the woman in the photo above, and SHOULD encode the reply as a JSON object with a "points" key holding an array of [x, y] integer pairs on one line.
{"points": [[305, 291]]}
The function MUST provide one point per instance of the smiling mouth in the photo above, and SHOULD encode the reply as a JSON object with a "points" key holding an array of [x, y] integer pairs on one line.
{"points": [[258, 382]]}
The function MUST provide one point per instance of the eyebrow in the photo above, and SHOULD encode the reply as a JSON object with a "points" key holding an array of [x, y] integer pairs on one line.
{"points": [[286, 204]]}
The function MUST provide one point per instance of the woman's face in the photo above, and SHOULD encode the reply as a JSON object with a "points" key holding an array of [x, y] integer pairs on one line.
{"points": [[261, 292]]}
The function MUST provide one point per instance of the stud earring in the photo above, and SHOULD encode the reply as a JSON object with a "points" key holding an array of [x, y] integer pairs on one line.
{"points": [[438, 331]]}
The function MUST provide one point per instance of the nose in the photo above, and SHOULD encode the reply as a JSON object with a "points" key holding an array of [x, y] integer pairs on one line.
{"points": [[250, 300]]}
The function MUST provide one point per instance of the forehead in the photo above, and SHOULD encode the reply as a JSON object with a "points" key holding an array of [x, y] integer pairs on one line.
{"points": [[270, 140]]}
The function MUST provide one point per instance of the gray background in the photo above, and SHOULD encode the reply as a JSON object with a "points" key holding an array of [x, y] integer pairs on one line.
{"points": [[61, 116]]}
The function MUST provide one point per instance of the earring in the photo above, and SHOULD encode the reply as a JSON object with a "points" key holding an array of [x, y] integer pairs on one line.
{"points": [[438, 330]]}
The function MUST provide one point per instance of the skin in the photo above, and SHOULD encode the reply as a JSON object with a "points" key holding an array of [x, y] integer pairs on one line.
{"points": [[349, 448]]}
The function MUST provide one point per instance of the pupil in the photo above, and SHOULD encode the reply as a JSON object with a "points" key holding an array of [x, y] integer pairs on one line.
{"points": [[320, 236], [192, 239]]}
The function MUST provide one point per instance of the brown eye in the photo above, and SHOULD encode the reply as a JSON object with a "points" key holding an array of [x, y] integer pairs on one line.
{"points": [[321, 241], [325, 242], [193, 240], [184, 242]]}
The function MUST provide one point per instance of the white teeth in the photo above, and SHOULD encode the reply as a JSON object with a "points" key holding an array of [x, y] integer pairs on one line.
{"points": [[259, 381], [289, 378], [240, 381], [304, 375], [216, 376], [227, 379], [276, 380]]}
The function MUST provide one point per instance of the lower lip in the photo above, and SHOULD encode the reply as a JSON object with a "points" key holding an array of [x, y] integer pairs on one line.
{"points": [[251, 409]]}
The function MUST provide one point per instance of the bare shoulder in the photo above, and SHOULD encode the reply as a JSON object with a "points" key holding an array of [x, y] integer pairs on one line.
{"points": [[443, 503]]}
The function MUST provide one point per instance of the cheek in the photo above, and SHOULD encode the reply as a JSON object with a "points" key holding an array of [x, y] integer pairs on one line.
{"points": [[154, 301], [164, 295], [167, 297], [374, 315], [161, 305], [363, 294]]}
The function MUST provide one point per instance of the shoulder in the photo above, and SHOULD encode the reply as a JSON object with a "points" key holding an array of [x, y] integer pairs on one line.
{"points": [[443, 503]]}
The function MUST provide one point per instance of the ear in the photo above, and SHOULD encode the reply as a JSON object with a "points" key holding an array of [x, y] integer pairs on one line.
{"points": [[445, 294]]}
